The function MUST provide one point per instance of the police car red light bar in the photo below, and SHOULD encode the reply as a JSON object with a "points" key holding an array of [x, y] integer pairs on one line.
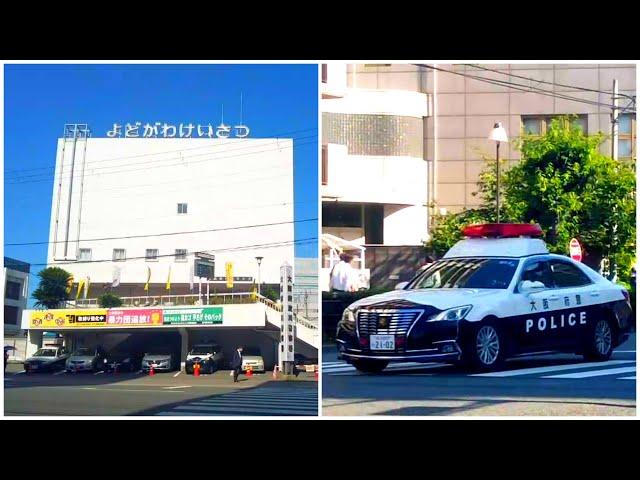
{"points": [[502, 230]]}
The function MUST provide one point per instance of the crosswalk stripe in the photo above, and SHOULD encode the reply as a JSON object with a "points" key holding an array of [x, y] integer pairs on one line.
{"points": [[628, 378], [554, 368], [250, 402], [250, 406], [241, 411], [594, 373]]}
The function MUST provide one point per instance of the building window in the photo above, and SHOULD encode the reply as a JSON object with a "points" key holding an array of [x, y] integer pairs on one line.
{"points": [[181, 255], [324, 73], [84, 254], [12, 291], [341, 215], [626, 136], [151, 255], [10, 315], [119, 254], [325, 165], [182, 208], [539, 124]]}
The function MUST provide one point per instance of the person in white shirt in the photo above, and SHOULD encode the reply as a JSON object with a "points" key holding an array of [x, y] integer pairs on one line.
{"points": [[344, 278]]}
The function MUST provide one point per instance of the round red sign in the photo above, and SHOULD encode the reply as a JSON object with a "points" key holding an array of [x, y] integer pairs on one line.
{"points": [[575, 250]]}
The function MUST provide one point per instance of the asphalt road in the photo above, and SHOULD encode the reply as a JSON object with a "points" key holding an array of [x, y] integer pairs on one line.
{"points": [[549, 385], [164, 394]]}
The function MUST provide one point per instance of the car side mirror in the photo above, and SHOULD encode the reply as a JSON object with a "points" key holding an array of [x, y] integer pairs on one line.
{"points": [[527, 286], [401, 285]]}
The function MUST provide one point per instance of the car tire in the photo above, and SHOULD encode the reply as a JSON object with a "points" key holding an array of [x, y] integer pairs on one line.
{"points": [[484, 347], [370, 366], [599, 342]]}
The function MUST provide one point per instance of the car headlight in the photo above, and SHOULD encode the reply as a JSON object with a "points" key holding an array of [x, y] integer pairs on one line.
{"points": [[456, 313], [348, 316]]}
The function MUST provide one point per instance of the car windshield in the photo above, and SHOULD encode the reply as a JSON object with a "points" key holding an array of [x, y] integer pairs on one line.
{"points": [[45, 352], [83, 352], [203, 350], [467, 273], [251, 351]]}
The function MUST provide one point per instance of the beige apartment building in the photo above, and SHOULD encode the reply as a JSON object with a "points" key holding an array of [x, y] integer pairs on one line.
{"points": [[463, 110], [400, 137]]}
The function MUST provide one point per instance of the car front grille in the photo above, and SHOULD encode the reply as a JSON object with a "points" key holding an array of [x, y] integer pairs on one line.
{"points": [[386, 321]]}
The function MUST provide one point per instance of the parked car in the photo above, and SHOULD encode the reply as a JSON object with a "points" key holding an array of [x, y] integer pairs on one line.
{"points": [[123, 361], [161, 362], [208, 355], [301, 362], [251, 356], [47, 359], [85, 359]]}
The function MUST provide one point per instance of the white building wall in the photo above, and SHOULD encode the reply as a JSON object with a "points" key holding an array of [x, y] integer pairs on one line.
{"points": [[375, 179], [132, 187], [405, 225]]}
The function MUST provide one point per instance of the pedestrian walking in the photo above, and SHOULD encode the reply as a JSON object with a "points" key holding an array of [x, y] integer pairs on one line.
{"points": [[236, 363], [343, 277]]}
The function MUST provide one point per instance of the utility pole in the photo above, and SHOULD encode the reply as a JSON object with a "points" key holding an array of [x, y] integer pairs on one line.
{"points": [[614, 122]]}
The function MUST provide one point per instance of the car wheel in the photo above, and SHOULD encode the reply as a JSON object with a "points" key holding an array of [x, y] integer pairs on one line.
{"points": [[484, 347], [370, 366], [599, 344]]}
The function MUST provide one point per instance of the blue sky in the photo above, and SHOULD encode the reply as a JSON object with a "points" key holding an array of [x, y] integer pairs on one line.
{"points": [[40, 99]]}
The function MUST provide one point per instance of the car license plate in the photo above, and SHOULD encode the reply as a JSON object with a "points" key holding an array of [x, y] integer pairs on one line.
{"points": [[383, 342]]}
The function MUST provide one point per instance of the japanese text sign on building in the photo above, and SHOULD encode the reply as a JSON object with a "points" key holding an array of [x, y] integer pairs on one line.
{"points": [[182, 130], [134, 317]]}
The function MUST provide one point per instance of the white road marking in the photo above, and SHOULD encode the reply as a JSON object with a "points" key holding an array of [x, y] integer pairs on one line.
{"points": [[624, 351], [628, 378], [99, 372], [181, 386], [554, 368], [177, 374], [594, 373], [130, 390], [215, 409], [60, 372], [21, 371]]}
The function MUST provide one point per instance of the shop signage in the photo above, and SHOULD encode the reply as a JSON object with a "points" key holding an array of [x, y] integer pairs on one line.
{"points": [[182, 130], [130, 317], [68, 318], [193, 316]]}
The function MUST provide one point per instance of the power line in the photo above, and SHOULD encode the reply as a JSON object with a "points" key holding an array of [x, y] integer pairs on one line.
{"points": [[167, 234], [182, 162], [519, 87], [545, 82], [242, 140], [155, 162], [217, 250]]}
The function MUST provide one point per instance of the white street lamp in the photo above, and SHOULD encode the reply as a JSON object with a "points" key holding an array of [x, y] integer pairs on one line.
{"points": [[498, 134], [259, 260]]}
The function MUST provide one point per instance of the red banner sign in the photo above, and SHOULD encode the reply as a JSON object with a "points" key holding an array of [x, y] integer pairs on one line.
{"points": [[575, 250], [129, 317]]}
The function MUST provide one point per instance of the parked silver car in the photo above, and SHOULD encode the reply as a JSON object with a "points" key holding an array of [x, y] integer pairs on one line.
{"points": [[161, 362], [86, 359], [47, 359], [252, 357]]}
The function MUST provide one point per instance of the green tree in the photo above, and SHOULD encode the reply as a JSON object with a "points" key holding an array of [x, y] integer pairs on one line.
{"points": [[109, 300], [572, 190], [53, 288], [271, 294]]}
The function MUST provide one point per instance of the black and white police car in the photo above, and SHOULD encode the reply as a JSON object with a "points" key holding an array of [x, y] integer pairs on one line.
{"points": [[496, 294]]}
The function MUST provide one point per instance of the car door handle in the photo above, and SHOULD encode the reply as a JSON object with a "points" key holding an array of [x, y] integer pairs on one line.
{"points": [[595, 294]]}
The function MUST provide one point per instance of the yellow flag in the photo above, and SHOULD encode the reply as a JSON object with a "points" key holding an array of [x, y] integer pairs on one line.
{"points": [[146, 285], [229, 268], [254, 293], [80, 288], [169, 279], [86, 287], [70, 285]]}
